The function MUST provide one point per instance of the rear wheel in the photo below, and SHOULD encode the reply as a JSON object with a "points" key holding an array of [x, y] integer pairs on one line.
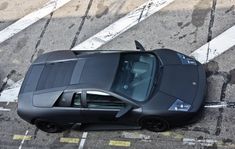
{"points": [[49, 127], [155, 125]]}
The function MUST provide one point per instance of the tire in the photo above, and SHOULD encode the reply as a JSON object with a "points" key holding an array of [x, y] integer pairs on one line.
{"points": [[49, 127], [156, 125]]}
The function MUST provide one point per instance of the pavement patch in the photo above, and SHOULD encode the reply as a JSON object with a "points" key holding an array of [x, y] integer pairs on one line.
{"points": [[120, 143]]}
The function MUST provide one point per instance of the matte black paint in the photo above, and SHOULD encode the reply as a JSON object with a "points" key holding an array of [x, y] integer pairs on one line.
{"points": [[96, 70]]}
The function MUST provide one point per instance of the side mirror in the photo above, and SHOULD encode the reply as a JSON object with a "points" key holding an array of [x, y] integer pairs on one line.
{"points": [[139, 46], [123, 111]]}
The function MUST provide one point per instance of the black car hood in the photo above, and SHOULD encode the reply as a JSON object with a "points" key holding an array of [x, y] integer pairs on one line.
{"points": [[176, 82], [180, 78], [180, 81]]}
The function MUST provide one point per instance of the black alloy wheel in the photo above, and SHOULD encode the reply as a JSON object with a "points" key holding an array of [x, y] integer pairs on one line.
{"points": [[155, 125], [48, 126]]}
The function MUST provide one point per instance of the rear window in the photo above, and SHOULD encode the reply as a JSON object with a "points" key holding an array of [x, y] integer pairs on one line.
{"points": [[56, 75], [31, 78]]}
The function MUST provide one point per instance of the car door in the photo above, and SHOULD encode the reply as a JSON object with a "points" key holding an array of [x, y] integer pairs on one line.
{"points": [[100, 107], [68, 108]]}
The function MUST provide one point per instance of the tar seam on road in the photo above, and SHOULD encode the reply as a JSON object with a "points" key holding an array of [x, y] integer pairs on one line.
{"points": [[41, 36], [31, 18], [83, 140], [81, 24], [221, 110], [141, 14], [6, 79], [211, 23], [212, 18], [22, 142]]}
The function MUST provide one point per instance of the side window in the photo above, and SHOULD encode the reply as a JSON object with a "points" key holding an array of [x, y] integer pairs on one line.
{"points": [[76, 102], [69, 99], [65, 100], [103, 101]]}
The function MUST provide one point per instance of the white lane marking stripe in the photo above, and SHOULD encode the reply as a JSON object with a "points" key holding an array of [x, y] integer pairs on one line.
{"points": [[223, 104], [123, 24], [11, 93], [220, 105], [84, 135], [3, 109], [216, 46], [31, 18], [83, 140], [203, 142], [22, 142]]}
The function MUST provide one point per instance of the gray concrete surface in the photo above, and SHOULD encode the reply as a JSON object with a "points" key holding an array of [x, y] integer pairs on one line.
{"points": [[183, 25]]}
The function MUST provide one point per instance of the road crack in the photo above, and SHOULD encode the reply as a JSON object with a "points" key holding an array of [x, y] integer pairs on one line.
{"points": [[40, 37], [221, 110], [81, 24], [211, 23]]}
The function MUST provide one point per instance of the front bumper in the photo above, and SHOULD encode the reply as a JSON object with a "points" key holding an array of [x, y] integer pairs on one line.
{"points": [[201, 90]]}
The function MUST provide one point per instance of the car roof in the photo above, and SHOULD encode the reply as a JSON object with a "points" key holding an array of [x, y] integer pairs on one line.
{"points": [[95, 70]]}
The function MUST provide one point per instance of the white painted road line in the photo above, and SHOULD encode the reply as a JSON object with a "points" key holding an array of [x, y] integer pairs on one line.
{"points": [[203, 142], [31, 18], [123, 24], [22, 142], [3, 109], [11, 93], [216, 46], [219, 105], [223, 104], [83, 140]]}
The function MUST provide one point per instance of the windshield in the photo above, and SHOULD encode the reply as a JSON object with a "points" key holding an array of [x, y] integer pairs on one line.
{"points": [[135, 75]]}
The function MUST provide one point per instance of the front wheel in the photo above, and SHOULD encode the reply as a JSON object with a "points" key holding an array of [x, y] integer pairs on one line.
{"points": [[49, 127], [155, 125]]}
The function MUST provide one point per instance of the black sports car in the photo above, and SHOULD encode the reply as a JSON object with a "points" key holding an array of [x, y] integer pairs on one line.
{"points": [[152, 90]]}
